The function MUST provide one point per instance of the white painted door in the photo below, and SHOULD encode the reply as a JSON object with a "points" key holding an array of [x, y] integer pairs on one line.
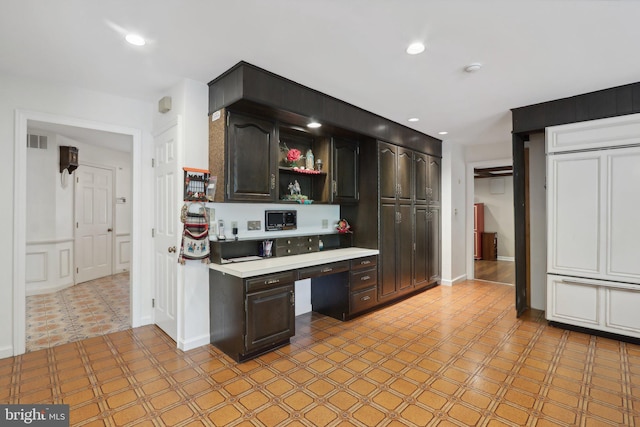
{"points": [[94, 224], [167, 228]]}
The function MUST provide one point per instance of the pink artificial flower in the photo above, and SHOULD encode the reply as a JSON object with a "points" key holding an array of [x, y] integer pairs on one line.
{"points": [[293, 155]]}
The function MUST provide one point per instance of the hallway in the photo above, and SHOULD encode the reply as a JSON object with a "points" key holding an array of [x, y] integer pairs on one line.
{"points": [[82, 311]]}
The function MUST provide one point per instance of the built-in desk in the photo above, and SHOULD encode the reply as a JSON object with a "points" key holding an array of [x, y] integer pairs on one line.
{"points": [[252, 303]]}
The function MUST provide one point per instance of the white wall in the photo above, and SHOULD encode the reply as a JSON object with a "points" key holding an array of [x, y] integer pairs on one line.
{"points": [[538, 221], [22, 97], [498, 211], [190, 100], [453, 214]]}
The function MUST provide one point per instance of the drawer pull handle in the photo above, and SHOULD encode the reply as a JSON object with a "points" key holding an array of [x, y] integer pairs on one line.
{"points": [[326, 270], [271, 282], [365, 262], [365, 298], [365, 278]]}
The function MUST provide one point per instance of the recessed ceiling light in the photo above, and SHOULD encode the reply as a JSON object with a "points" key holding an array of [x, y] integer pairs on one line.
{"points": [[415, 48], [414, 119], [473, 67], [314, 125], [135, 39], [444, 132]]}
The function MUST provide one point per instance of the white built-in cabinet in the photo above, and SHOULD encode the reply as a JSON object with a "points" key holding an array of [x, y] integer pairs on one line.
{"points": [[593, 225]]}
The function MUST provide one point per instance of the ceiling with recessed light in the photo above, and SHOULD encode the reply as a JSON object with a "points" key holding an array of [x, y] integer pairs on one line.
{"points": [[530, 50]]}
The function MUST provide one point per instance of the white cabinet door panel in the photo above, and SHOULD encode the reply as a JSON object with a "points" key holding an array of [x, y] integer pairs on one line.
{"points": [[594, 134], [622, 312], [623, 214], [572, 301], [574, 213]]}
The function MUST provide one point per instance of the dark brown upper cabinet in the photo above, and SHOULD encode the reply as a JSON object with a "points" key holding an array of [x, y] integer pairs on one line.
{"points": [[345, 171], [396, 165], [252, 153], [434, 180]]}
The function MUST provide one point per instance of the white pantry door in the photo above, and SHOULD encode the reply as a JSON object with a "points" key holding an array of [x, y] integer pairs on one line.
{"points": [[167, 228], [94, 224]]}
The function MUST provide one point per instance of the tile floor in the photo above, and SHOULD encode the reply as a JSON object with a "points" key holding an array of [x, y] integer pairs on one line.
{"points": [[451, 356], [82, 311]]}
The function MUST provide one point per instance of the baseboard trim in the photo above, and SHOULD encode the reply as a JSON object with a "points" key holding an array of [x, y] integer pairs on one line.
{"points": [[506, 258], [6, 352], [47, 289], [194, 342], [455, 281]]}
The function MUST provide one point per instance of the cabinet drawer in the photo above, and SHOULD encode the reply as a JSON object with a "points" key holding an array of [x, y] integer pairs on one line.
{"points": [[365, 262], [322, 270], [362, 300], [361, 279], [285, 246], [308, 244], [296, 245], [269, 281]]}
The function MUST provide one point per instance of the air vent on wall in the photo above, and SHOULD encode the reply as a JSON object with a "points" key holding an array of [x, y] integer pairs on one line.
{"points": [[37, 141]]}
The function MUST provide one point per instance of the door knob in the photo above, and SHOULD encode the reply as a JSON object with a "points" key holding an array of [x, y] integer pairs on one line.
{"points": [[172, 249], [109, 230]]}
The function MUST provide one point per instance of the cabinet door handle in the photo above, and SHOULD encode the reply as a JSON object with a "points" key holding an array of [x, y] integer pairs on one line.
{"points": [[365, 298], [334, 183], [365, 278], [271, 281], [326, 270], [292, 298], [273, 181], [365, 262]]}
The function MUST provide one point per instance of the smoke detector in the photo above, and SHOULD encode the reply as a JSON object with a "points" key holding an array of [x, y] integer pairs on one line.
{"points": [[472, 68]]}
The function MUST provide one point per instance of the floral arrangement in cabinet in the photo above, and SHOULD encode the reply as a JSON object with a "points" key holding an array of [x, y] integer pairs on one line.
{"points": [[293, 157]]}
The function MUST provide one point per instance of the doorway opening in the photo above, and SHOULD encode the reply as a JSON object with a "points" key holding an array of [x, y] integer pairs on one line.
{"points": [[490, 236], [47, 257]]}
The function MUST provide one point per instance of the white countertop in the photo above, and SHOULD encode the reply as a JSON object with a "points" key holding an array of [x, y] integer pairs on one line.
{"points": [[292, 262]]}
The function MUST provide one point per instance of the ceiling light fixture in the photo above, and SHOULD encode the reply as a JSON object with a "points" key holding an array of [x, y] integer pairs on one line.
{"points": [[444, 132], [414, 119], [135, 39], [415, 48], [314, 125], [471, 68]]}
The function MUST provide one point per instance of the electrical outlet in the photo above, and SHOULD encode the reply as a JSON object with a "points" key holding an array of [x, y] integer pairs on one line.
{"points": [[325, 223], [254, 225]]}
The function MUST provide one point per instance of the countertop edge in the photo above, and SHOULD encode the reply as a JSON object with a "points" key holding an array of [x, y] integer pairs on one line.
{"points": [[293, 262]]}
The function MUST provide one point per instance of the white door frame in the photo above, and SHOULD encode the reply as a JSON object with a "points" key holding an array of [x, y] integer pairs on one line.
{"points": [[470, 200], [20, 214]]}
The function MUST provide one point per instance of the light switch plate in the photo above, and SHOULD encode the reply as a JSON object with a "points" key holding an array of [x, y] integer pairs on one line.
{"points": [[254, 225], [325, 223]]}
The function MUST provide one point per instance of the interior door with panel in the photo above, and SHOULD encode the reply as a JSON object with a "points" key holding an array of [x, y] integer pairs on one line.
{"points": [[94, 223], [167, 228]]}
